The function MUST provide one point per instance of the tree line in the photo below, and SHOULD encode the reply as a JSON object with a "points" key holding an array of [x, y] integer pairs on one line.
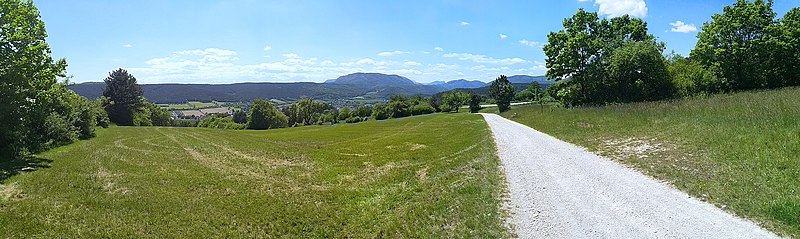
{"points": [[597, 61]]}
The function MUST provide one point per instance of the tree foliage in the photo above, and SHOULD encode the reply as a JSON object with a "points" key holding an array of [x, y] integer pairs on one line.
{"points": [[475, 102], [502, 92], [124, 95], [37, 111], [263, 115], [581, 55], [305, 112]]}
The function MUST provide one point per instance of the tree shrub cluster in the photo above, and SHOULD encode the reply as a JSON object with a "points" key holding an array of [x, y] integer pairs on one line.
{"points": [[126, 106], [502, 92], [217, 122], [599, 61], [38, 112], [400, 106]]}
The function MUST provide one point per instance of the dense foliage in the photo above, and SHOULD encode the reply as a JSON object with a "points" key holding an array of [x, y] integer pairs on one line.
{"points": [[124, 98], [38, 112], [219, 123], [748, 48], [263, 115], [502, 92]]}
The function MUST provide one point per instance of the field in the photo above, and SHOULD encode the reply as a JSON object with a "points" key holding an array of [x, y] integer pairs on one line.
{"points": [[429, 176], [740, 151]]}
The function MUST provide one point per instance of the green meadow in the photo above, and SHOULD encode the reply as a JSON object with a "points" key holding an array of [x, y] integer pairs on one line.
{"points": [[430, 176]]}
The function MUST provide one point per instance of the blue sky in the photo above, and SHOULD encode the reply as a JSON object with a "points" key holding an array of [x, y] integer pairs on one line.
{"points": [[289, 41]]}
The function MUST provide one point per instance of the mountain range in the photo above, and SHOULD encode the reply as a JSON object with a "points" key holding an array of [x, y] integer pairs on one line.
{"points": [[370, 85]]}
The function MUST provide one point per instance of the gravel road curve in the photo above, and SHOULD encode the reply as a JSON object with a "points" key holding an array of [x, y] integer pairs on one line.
{"points": [[559, 190]]}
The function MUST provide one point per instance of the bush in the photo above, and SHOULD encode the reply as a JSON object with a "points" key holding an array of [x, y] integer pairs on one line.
{"points": [[185, 123], [399, 109], [381, 112], [352, 120], [219, 123], [362, 111], [344, 113], [422, 108], [263, 115]]}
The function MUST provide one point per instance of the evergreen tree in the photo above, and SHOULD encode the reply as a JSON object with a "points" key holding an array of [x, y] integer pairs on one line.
{"points": [[124, 97]]}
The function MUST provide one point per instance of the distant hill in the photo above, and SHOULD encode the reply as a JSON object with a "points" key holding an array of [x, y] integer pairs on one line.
{"points": [[465, 84], [370, 85], [373, 80], [528, 79]]}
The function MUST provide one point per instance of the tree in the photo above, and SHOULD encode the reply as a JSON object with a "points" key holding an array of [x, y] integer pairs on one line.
{"points": [[738, 44], [578, 55], [640, 73], [263, 115], [788, 54], [502, 92], [124, 97], [453, 100], [690, 78], [344, 113], [28, 75], [381, 112], [475, 102], [239, 117], [305, 112], [362, 111]]}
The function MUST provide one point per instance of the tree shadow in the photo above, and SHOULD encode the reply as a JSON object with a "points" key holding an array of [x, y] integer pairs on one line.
{"points": [[15, 165]]}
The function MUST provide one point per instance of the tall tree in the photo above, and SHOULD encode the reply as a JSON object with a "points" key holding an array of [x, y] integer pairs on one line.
{"points": [[738, 44], [28, 74], [124, 96], [502, 92], [789, 52], [578, 55], [263, 115]]}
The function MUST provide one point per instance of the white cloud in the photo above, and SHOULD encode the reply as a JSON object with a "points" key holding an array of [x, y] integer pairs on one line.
{"points": [[267, 48], [531, 43], [502, 36], [438, 49], [392, 53], [465, 23], [682, 27], [484, 59], [616, 8], [127, 45], [214, 65], [412, 63]]}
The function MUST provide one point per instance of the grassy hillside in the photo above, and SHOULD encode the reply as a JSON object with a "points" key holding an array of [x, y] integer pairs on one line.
{"points": [[738, 151], [431, 176]]}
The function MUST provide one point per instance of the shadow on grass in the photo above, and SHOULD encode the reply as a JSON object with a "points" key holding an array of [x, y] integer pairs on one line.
{"points": [[13, 166]]}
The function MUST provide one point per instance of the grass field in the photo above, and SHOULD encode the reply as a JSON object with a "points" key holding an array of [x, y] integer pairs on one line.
{"points": [[739, 151], [430, 176]]}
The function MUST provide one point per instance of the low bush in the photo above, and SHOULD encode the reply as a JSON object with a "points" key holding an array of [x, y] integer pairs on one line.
{"points": [[219, 123]]}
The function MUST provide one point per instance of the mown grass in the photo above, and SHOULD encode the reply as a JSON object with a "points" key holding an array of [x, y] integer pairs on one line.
{"points": [[419, 177], [739, 151]]}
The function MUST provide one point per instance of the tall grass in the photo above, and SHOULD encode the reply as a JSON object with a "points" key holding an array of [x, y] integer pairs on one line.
{"points": [[739, 151]]}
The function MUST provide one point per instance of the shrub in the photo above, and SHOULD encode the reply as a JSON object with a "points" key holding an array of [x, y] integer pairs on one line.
{"points": [[422, 108], [399, 109], [263, 115], [381, 112], [344, 113], [219, 123], [352, 120], [362, 111]]}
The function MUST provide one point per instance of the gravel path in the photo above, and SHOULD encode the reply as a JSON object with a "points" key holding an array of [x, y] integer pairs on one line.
{"points": [[559, 190]]}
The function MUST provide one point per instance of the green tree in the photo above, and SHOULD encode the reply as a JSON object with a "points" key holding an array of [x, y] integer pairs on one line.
{"points": [[124, 96], [502, 92], [239, 117], [690, 78], [381, 112], [344, 113], [475, 102], [640, 73], [578, 55], [263, 115], [788, 54], [738, 44], [28, 74], [305, 111], [362, 111]]}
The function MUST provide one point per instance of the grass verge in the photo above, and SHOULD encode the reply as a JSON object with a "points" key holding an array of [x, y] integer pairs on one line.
{"points": [[740, 151], [429, 176]]}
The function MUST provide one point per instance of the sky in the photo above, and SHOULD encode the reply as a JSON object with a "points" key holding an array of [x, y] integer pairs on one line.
{"points": [[217, 42]]}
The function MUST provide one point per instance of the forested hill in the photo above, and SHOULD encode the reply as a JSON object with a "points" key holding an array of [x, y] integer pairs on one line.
{"points": [[349, 86]]}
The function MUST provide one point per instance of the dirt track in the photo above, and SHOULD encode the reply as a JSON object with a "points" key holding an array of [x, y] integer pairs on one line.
{"points": [[560, 190]]}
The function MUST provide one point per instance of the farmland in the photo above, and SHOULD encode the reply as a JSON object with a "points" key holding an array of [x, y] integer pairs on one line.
{"points": [[427, 176], [738, 151]]}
